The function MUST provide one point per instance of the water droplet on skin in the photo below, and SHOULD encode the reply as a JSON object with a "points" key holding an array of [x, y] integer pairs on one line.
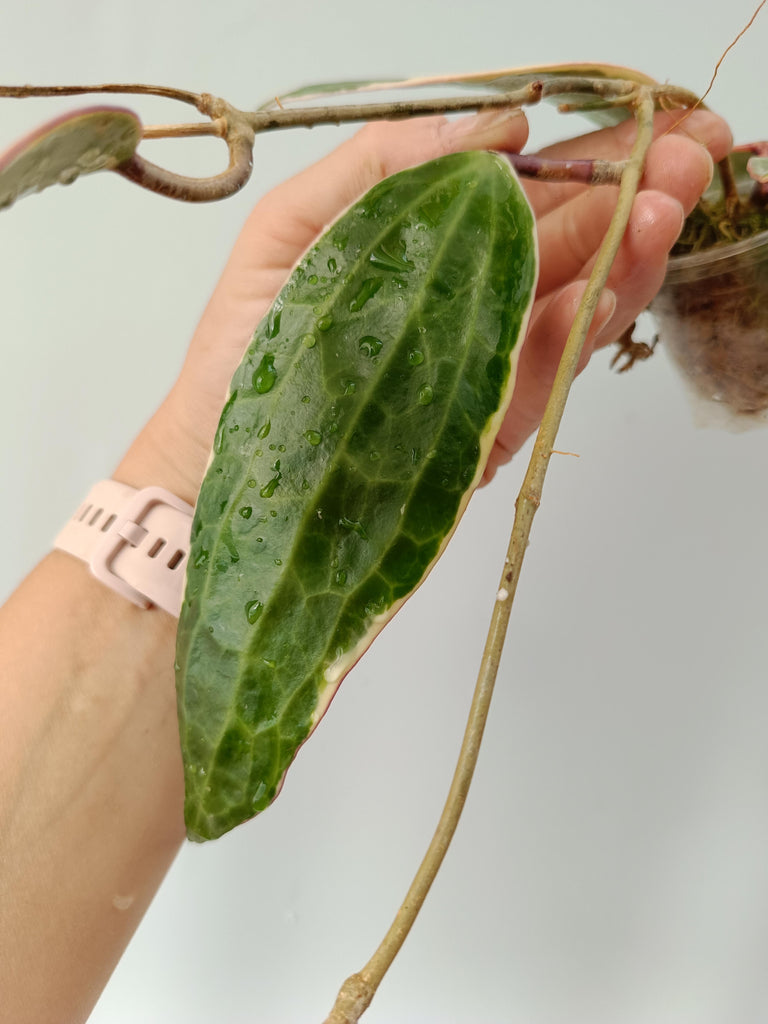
{"points": [[368, 289], [324, 323], [426, 394], [246, 511], [370, 346], [265, 376], [415, 357], [273, 321], [264, 429], [253, 610], [308, 340], [313, 436], [341, 577]]}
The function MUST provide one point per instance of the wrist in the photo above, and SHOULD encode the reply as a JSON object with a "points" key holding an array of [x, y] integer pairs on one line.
{"points": [[166, 453]]}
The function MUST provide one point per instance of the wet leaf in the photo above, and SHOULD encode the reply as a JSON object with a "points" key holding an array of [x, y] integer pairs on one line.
{"points": [[58, 152], [357, 427]]}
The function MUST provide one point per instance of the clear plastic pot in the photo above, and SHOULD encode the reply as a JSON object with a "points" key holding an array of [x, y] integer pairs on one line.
{"points": [[712, 313]]}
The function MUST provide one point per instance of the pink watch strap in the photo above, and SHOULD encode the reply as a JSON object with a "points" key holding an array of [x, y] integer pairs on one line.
{"points": [[137, 542]]}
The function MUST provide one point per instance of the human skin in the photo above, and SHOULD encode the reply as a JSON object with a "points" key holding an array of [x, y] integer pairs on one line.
{"points": [[91, 786]]}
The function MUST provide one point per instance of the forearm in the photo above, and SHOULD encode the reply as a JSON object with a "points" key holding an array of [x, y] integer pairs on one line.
{"points": [[91, 787]]}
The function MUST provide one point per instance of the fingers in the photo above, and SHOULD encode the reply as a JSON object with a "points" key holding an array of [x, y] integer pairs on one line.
{"points": [[702, 127], [635, 278], [538, 364], [640, 265], [570, 235]]}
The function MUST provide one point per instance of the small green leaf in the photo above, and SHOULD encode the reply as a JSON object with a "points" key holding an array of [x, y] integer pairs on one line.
{"points": [[58, 152], [416, 301]]}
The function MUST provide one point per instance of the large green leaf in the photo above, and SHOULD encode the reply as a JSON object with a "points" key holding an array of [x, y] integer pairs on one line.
{"points": [[58, 152], [357, 426]]}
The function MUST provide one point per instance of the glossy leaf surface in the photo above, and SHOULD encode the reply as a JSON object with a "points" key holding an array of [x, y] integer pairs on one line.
{"points": [[357, 426], [58, 152]]}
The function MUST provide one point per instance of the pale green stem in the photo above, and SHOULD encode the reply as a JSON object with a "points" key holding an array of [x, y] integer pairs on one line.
{"points": [[359, 989]]}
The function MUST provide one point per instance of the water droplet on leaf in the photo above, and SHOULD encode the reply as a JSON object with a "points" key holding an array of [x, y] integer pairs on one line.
{"points": [[313, 436], [324, 323], [253, 610], [368, 289], [415, 357], [265, 376], [370, 346], [391, 256], [354, 526], [273, 320], [426, 394]]}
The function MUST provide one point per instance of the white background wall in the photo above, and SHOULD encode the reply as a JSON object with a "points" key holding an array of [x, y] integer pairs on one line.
{"points": [[612, 864]]}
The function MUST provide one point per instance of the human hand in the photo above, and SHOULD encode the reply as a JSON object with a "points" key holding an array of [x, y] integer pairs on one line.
{"points": [[173, 449]]}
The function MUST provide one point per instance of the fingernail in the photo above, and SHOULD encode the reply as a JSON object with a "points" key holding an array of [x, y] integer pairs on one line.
{"points": [[606, 307]]}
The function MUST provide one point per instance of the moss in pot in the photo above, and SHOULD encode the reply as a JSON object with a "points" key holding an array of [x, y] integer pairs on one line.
{"points": [[712, 309]]}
